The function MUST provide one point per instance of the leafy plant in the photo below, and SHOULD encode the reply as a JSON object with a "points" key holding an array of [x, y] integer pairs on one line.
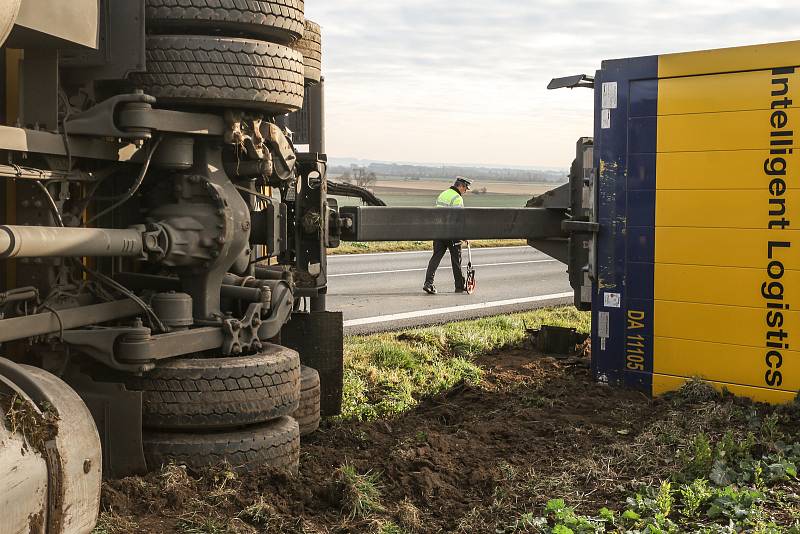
{"points": [[694, 496]]}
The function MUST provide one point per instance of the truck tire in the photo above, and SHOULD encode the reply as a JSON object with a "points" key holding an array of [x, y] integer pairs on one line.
{"points": [[222, 72], [279, 21], [8, 14], [307, 414], [274, 444], [311, 48], [217, 393]]}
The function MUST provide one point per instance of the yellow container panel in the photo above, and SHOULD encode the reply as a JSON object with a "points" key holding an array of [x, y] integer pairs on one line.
{"points": [[740, 91], [726, 208], [730, 325], [726, 286], [706, 258], [733, 364], [738, 59], [723, 247], [717, 170], [739, 130]]}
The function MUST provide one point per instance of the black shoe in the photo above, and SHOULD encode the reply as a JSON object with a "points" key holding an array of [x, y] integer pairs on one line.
{"points": [[460, 290], [430, 289]]}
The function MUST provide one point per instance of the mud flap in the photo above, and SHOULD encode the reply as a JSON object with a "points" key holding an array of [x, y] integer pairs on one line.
{"points": [[319, 338], [117, 414]]}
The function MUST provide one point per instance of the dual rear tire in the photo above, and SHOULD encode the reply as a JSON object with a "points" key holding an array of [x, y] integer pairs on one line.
{"points": [[222, 54], [248, 410]]}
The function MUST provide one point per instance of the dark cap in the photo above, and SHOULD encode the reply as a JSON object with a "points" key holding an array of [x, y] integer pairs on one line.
{"points": [[466, 182]]}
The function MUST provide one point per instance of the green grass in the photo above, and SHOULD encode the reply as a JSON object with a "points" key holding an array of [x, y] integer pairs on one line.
{"points": [[348, 247], [386, 374], [361, 492]]}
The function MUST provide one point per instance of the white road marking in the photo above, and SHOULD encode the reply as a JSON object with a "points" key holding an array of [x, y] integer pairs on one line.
{"points": [[453, 309], [445, 267], [357, 254]]}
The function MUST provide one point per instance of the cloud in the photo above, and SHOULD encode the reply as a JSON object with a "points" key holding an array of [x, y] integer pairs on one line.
{"points": [[464, 82]]}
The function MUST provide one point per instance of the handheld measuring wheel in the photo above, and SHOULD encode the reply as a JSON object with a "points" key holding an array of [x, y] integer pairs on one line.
{"points": [[471, 284]]}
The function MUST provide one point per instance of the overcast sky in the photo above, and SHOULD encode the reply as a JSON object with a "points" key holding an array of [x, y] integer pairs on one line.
{"points": [[464, 82]]}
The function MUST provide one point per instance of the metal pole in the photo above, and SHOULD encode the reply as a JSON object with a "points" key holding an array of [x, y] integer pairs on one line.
{"points": [[316, 117], [52, 323], [367, 223], [49, 242]]}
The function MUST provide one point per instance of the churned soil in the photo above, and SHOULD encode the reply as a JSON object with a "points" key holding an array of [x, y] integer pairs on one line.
{"points": [[471, 459]]}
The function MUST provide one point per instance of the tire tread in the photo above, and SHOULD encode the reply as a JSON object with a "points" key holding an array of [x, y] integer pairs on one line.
{"points": [[275, 444], [221, 392], [280, 21], [223, 72]]}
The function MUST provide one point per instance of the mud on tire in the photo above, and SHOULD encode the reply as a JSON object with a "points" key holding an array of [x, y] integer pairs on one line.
{"points": [[222, 72], [275, 444], [279, 21], [307, 414], [218, 393], [311, 48]]}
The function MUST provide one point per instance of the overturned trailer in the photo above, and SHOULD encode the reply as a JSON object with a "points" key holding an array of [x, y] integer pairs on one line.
{"points": [[677, 225]]}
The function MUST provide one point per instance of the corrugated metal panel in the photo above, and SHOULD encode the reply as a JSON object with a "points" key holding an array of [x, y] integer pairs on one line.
{"points": [[698, 229]]}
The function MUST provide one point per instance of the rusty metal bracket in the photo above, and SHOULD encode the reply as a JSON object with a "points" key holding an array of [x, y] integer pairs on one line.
{"points": [[242, 335]]}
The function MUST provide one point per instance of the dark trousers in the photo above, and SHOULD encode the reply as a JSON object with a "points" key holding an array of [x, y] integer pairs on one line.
{"points": [[439, 248]]}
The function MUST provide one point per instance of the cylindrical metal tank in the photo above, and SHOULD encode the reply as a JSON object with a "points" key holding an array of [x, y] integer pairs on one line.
{"points": [[174, 309]]}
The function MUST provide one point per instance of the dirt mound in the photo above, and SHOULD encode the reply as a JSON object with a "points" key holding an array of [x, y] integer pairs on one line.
{"points": [[469, 460]]}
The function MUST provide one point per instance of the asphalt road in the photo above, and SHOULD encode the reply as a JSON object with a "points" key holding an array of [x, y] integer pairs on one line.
{"points": [[380, 292]]}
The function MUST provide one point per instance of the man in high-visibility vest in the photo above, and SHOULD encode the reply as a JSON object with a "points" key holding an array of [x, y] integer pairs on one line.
{"points": [[450, 198]]}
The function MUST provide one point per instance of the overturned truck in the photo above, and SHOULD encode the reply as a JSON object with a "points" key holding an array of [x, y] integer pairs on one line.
{"points": [[160, 227], [165, 212]]}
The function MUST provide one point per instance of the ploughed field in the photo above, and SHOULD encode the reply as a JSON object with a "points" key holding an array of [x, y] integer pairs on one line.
{"points": [[467, 428]]}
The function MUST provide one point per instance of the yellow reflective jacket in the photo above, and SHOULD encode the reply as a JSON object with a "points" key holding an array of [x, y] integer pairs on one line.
{"points": [[450, 198]]}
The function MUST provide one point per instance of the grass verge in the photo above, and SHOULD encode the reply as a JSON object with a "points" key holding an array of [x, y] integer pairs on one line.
{"points": [[386, 374], [349, 247]]}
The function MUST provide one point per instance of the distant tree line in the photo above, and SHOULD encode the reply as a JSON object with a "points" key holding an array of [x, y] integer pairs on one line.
{"points": [[355, 174]]}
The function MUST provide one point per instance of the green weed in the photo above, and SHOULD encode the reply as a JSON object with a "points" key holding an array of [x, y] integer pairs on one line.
{"points": [[694, 497], [702, 504], [361, 494]]}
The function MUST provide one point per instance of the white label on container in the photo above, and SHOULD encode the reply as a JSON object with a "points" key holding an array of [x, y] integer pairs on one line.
{"points": [[610, 95], [612, 300], [603, 328], [605, 119], [586, 293]]}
